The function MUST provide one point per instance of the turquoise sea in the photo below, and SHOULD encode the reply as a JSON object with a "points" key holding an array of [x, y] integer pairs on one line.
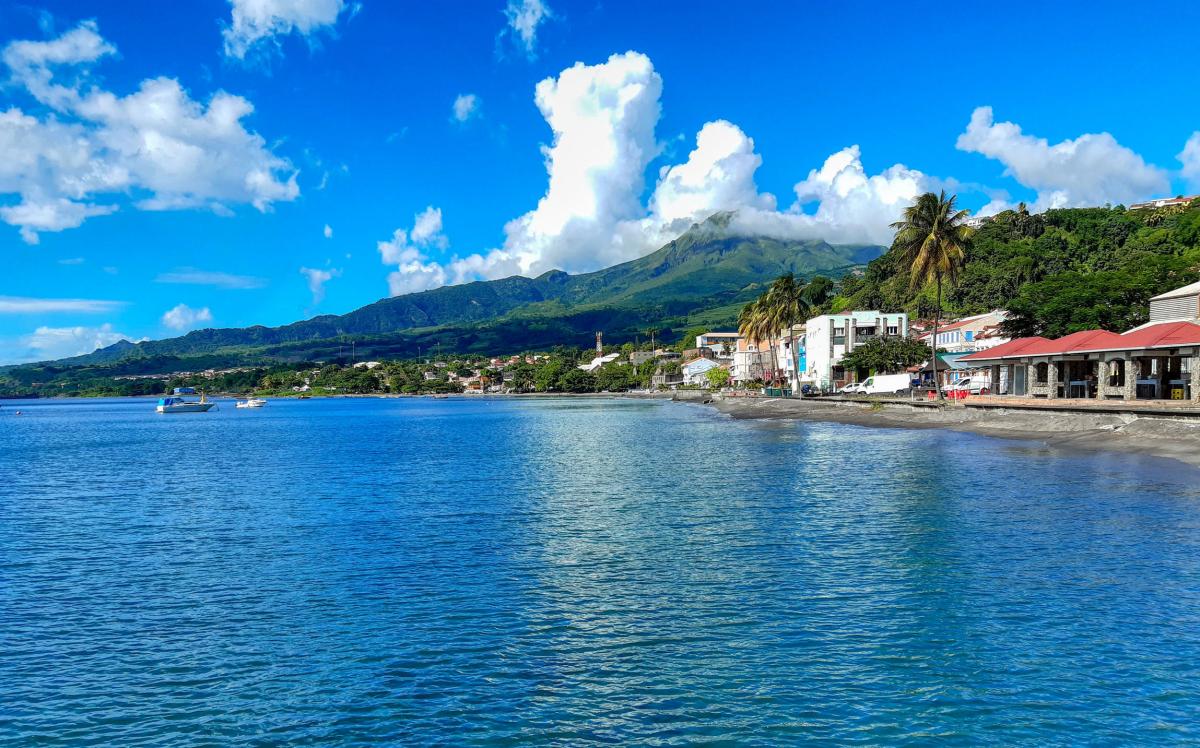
{"points": [[579, 572]]}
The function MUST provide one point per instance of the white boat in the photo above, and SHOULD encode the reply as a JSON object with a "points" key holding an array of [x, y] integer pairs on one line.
{"points": [[252, 402], [175, 404]]}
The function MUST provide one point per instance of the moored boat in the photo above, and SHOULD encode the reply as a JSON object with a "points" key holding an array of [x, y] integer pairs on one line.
{"points": [[175, 404], [251, 402]]}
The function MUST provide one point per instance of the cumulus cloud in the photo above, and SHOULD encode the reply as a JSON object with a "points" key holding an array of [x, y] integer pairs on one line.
{"points": [[47, 343], [256, 22], [1092, 169], [465, 107], [192, 276], [183, 317], [27, 305], [1190, 158], [524, 18], [328, 231], [157, 142], [317, 280], [406, 249], [603, 119]]}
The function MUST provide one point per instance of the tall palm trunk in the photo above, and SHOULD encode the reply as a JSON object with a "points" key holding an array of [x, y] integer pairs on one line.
{"points": [[937, 315]]}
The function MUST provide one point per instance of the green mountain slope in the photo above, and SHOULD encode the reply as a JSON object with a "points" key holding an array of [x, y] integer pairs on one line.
{"points": [[707, 268]]}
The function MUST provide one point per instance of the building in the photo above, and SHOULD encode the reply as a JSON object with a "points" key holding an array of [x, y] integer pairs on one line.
{"points": [[695, 372], [1159, 360], [721, 344], [829, 337], [663, 379], [637, 358], [751, 360], [969, 334], [1163, 202]]}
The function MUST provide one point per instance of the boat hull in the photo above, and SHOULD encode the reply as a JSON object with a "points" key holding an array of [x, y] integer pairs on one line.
{"points": [[186, 408]]}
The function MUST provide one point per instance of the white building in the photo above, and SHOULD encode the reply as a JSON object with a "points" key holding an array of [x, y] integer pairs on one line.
{"points": [[722, 344], [831, 336], [969, 334], [694, 372]]}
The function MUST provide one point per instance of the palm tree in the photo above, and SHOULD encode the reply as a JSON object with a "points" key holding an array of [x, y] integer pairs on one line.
{"points": [[932, 241], [786, 306], [751, 322]]}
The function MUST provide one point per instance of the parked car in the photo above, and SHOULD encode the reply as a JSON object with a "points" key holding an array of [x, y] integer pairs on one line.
{"points": [[972, 385]]}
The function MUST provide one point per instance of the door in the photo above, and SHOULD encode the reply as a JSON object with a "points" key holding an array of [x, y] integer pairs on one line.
{"points": [[1020, 386]]}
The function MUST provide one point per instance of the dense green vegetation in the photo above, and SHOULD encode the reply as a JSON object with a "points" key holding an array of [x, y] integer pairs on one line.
{"points": [[703, 277], [1056, 272]]}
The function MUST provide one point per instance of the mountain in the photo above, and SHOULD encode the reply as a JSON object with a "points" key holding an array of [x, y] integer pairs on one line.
{"points": [[705, 274]]}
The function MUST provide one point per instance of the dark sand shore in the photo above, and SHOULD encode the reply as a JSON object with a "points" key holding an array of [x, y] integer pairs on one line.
{"points": [[1161, 436]]}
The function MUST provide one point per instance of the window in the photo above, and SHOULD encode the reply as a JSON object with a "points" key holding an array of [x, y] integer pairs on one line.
{"points": [[893, 330], [1040, 373]]}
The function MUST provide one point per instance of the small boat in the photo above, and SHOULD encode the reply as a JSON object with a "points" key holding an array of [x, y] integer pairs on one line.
{"points": [[175, 404], [252, 402]]}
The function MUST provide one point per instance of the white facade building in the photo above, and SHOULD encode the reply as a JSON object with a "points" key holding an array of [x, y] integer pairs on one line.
{"points": [[831, 336], [694, 371], [969, 334]]}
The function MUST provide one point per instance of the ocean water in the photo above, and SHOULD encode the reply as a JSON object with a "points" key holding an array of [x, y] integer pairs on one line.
{"points": [[578, 571]]}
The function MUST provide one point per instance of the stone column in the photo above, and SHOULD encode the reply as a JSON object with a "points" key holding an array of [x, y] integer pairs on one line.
{"points": [[1132, 370], [1051, 380], [1195, 374], [1031, 382]]}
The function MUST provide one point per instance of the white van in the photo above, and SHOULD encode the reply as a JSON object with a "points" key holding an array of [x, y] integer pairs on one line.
{"points": [[973, 385], [883, 384]]}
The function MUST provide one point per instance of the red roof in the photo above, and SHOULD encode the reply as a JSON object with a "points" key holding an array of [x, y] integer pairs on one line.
{"points": [[1015, 347], [1164, 335]]}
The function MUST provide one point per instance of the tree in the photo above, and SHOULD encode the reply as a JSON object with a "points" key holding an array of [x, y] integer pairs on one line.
{"points": [[883, 355], [931, 242], [717, 377]]}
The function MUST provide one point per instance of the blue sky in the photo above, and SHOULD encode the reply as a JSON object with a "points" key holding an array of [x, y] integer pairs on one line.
{"points": [[169, 166]]}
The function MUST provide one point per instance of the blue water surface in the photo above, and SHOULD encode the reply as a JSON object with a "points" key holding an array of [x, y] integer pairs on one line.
{"points": [[581, 571]]}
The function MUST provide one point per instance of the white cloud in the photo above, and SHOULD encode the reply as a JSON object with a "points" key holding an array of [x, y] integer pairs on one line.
{"points": [[157, 143], [183, 317], [718, 175], [27, 305], [524, 17], [47, 343], [405, 249], [1190, 158], [603, 119], [465, 107], [260, 21], [71, 261], [1092, 169], [328, 231], [192, 276], [317, 280]]}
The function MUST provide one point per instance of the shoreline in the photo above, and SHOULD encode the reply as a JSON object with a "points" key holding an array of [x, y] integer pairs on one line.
{"points": [[1171, 438]]}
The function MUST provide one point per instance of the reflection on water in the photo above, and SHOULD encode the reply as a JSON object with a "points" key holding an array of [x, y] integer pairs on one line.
{"points": [[574, 571]]}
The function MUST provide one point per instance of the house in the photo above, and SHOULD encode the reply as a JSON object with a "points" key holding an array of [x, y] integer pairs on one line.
{"points": [[751, 360], [599, 361], [694, 372], [829, 337], [968, 334], [691, 354], [367, 365], [637, 358], [1163, 202], [721, 344], [663, 379]]}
